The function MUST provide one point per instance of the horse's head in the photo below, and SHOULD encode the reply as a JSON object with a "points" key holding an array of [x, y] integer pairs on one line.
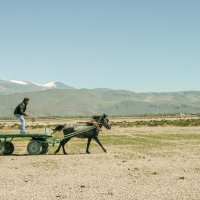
{"points": [[103, 120]]}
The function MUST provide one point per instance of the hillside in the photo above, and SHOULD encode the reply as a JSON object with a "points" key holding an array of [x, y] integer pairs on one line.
{"points": [[82, 102]]}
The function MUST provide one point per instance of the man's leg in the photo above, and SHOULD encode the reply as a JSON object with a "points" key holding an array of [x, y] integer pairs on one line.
{"points": [[23, 123]]}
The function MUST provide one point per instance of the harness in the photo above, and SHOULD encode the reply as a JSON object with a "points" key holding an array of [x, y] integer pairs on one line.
{"points": [[95, 123]]}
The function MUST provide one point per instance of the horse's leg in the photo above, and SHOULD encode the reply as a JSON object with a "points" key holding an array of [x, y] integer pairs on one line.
{"points": [[99, 143], [63, 143], [88, 145], [58, 149]]}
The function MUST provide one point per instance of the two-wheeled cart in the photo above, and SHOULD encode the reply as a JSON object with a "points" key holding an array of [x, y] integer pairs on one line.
{"points": [[37, 145], [38, 142]]}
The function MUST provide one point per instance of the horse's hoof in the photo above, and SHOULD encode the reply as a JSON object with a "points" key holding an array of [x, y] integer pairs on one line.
{"points": [[87, 152]]}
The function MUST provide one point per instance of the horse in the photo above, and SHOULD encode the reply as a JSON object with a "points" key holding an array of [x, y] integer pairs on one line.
{"points": [[90, 130]]}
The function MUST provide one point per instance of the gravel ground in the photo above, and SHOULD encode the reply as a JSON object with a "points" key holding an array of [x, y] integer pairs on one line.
{"points": [[122, 174], [100, 176]]}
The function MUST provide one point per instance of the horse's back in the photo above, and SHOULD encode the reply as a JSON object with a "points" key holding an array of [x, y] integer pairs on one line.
{"points": [[81, 127], [86, 131]]}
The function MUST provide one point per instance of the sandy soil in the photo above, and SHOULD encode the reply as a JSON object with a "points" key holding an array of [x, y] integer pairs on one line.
{"points": [[124, 173]]}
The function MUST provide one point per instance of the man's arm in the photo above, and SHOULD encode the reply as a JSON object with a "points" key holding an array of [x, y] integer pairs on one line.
{"points": [[22, 110]]}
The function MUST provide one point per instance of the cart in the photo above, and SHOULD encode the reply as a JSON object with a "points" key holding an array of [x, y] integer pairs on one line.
{"points": [[37, 145], [38, 142]]}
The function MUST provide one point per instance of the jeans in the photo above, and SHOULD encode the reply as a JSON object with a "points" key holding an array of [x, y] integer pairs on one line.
{"points": [[23, 123]]}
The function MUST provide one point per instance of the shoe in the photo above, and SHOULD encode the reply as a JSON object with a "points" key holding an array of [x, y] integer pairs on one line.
{"points": [[23, 133]]}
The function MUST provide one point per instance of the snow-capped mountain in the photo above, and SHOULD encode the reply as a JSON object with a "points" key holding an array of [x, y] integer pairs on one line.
{"points": [[57, 85], [12, 86]]}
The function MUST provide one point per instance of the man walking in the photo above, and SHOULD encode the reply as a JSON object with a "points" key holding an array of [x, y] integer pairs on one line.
{"points": [[20, 113]]}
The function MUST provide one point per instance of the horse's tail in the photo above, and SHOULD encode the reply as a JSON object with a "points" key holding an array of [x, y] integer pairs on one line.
{"points": [[59, 128]]}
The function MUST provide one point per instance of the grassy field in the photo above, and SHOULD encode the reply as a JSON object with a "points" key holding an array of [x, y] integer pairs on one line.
{"points": [[125, 134]]}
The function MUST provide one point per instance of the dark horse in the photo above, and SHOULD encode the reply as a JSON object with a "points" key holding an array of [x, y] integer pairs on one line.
{"points": [[89, 130]]}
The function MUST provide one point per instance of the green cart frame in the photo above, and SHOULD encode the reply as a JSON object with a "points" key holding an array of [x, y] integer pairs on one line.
{"points": [[37, 145]]}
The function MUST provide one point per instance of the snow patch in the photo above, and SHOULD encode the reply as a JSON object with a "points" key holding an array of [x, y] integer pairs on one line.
{"points": [[19, 82], [50, 85], [40, 85]]}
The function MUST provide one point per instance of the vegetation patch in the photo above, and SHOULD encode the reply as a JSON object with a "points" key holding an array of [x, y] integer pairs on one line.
{"points": [[163, 122]]}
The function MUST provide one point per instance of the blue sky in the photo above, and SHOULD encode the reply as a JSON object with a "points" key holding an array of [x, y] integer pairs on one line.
{"points": [[139, 45]]}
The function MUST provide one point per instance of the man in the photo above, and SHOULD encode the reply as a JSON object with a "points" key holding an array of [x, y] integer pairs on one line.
{"points": [[20, 113]]}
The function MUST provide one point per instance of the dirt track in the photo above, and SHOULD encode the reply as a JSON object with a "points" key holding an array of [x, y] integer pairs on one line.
{"points": [[144, 171]]}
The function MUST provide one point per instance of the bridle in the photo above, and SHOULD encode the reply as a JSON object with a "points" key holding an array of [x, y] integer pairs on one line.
{"points": [[96, 124]]}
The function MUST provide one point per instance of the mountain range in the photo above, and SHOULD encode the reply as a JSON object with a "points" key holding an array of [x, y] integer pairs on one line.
{"points": [[57, 99], [13, 86]]}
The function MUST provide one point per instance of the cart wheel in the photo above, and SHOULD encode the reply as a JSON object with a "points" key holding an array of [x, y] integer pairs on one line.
{"points": [[44, 148], [34, 147], [8, 148], [1, 148]]}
